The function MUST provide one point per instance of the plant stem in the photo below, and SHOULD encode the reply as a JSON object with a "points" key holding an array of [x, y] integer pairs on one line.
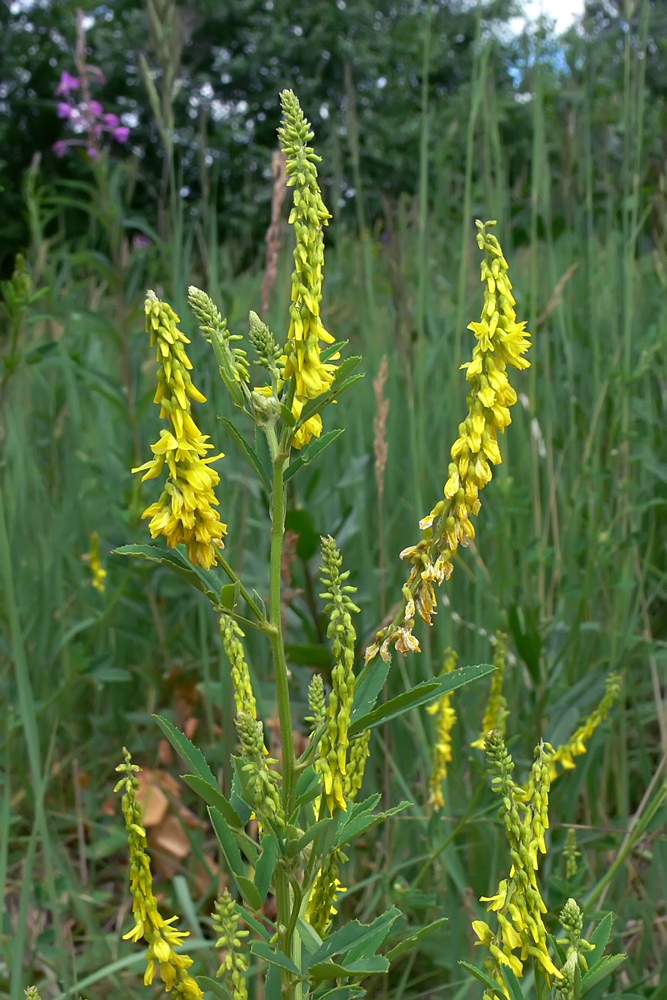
{"points": [[283, 896]]}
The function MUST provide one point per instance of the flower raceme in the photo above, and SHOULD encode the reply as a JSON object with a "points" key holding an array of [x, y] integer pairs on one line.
{"points": [[576, 745], [445, 720], [86, 118], [185, 511], [309, 214], [162, 938], [501, 343]]}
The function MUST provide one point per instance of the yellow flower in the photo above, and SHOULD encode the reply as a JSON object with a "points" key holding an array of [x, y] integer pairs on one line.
{"points": [[333, 759], [518, 903], [501, 342], [496, 710], [442, 750], [308, 216], [232, 633], [576, 745], [96, 568], [185, 511], [322, 902], [162, 938]]}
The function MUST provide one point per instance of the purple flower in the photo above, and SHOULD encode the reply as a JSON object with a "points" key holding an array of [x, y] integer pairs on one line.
{"points": [[121, 133], [140, 242], [92, 153], [67, 83], [60, 147], [95, 108], [112, 121], [64, 110]]}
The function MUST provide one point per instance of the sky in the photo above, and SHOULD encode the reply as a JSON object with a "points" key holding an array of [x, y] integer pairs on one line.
{"points": [[563, 11]]}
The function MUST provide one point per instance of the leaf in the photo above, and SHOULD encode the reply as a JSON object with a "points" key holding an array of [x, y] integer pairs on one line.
{"points": [[249, 892], [332, 970], [227, 842], [512, 983], [309, 835], [524, 624], [601, 970], [272, 990], [310, 939], [187, 751], [247, 450], [213, 797], [355, 934], [368, 687], [265, 952], [307, 787], [359, 824], [407, 944], [421, 694], [287, 415], [600, 937], [254, 922], [229, 595], [214, 987], [333, 349], [265, 865], [338, 388], [485, 979], [171, 560], [311, 452]]}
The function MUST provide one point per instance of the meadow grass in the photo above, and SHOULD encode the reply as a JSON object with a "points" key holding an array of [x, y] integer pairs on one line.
{"points": [[569, 557]]}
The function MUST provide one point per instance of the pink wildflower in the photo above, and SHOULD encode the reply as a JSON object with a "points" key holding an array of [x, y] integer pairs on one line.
{"points": [[67, 83]]}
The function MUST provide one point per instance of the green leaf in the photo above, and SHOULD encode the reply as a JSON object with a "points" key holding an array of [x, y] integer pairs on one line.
{"points": [[310, 939], [311, 452], [600, 938], [601, 970], [227, 842], [309, 835], [332, 970], [213, 797], [267, 954], [249, 892], [254, 923], [266, 865], [364, 821], [421, 694], [307, 787], [338, 387], [407, 944], [229, 595], [326, 970], [368, 688], [512, 983], [355, 935], [187, 751], [214, 987], [333, 348], [483, 978], [287, 415], [247, 450], [171, 560], [272, 990], [345, 368]]}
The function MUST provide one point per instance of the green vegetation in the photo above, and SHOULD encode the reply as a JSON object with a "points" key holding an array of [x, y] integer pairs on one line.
{"points": [[563, 589]]}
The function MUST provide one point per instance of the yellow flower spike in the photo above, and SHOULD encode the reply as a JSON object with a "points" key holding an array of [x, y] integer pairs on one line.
{"points": [[442, 750], [518, 903], [161, 937], [496, 709], [308, 216], [322, 902], [334, 745], [576, 745], [96, 568], [185, 511], [501, 343], [232, 633]]}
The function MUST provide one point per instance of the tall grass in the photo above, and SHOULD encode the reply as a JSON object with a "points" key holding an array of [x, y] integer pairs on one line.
{"points": [[569, 556]]}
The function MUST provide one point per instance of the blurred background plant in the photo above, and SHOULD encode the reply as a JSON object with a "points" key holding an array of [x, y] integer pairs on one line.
{"points": [[428, 116]]}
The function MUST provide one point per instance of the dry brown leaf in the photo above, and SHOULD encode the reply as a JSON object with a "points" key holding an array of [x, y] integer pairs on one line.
{"points": [[172, 838], [154, 803]]}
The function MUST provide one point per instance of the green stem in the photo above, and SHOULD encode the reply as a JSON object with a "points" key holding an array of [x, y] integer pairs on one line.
{"points": [[283, 896]]}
